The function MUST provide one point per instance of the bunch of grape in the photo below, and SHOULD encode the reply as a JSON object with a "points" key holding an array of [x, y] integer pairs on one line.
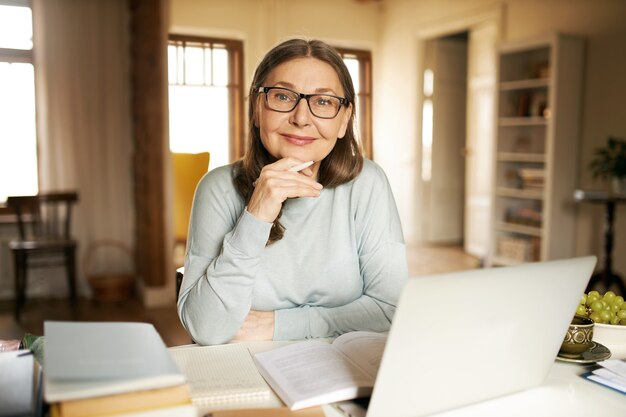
{"points": [[608, 308]]}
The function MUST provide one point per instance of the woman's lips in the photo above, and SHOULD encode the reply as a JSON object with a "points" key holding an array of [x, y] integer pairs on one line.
{"points": [[298, 140]]}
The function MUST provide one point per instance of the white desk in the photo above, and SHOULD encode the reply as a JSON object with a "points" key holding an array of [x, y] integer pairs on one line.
{"points": [[564, 393]]}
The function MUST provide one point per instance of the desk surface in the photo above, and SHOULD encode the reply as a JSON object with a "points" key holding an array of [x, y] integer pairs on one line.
{"points": [[564, 393]]}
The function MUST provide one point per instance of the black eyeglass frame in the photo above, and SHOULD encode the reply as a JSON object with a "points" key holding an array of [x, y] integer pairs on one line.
{"points": [[342, 100]]}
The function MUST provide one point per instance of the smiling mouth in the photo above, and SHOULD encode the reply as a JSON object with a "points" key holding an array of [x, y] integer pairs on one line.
{"points": [[299, 140]]}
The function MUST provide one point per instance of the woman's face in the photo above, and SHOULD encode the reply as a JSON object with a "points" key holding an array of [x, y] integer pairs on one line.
{"points": [[299, 134]]}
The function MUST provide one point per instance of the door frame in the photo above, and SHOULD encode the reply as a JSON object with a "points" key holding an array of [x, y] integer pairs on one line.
{"points": [[445, 26]]}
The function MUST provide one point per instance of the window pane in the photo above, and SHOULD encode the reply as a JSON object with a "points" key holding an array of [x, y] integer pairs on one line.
{"points": [[172, 70], [18, 146], [199, 121], [220, 66], [429, 82], [194, 65], [353, 69], [16, 28], [427, 140]]}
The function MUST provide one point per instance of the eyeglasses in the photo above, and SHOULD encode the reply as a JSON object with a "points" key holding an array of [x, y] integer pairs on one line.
{"points": [[284, 100]]}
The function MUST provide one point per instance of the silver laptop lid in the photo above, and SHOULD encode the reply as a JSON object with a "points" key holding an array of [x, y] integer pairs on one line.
{"points": [[463, 337]]}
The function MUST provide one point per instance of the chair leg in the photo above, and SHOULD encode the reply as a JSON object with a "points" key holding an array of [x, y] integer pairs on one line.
{"points": [[70, 264], [20, 282]]}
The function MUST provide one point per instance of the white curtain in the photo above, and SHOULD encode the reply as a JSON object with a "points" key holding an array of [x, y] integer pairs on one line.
{"points": [[82, 61]]}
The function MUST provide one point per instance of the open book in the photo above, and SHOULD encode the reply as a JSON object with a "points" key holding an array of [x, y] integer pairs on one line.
{"points": [[315, 372]]}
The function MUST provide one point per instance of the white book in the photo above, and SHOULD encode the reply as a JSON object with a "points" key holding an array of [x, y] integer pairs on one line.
{"points": [[221, 377], [315, 372], [90, 359]]}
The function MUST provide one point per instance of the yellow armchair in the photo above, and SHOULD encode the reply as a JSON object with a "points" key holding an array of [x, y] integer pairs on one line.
{"points": [[188, 170]]}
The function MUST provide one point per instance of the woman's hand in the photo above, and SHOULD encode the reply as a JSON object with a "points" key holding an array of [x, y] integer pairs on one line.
{"points": [[276, 184], [259, 325]]}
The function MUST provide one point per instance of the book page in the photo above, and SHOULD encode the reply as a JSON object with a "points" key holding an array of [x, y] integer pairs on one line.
{"points": [[220, 375], [311, 373], [364, 348]]}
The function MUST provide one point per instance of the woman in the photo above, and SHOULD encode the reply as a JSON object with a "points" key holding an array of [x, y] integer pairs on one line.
{"points": [[281, 250]]}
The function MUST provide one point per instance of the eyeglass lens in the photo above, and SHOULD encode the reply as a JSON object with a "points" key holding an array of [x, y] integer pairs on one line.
{"points": [[284, 100]]}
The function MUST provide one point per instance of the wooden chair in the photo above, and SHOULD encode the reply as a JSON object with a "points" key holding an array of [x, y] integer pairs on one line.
{"points": [[43, 222]]}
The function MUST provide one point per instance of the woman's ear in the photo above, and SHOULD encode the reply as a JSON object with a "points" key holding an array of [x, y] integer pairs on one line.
{"points": [[345, 119]]}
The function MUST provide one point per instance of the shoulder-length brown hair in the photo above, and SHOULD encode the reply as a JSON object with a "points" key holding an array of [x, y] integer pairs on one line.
{"points": [[343, 163]]}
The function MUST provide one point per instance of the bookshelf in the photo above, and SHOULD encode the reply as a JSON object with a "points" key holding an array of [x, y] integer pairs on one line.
{"points": [[537, 141]]}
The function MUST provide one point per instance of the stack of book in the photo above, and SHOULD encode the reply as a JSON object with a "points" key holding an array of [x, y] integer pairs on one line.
{"points": [[532, 178], [610, 373], [111, 368]]}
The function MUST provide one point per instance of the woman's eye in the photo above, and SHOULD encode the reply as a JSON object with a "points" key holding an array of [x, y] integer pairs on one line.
{"points": [[282, 97], [323, 101]]}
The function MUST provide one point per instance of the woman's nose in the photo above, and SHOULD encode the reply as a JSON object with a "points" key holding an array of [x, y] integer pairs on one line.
{"points": [[301, 115]]}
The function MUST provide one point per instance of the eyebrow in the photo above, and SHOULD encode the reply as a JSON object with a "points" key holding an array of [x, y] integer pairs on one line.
{"points": [[322, 90]]}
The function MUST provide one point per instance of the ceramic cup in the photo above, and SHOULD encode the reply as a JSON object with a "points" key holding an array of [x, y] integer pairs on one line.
{"points": [[578, 338]]}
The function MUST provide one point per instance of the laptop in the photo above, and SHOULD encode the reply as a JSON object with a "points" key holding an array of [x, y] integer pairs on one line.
{"points": [[464, 337]]}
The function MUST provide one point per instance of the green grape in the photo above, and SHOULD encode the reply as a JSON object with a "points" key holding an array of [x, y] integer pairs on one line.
{"points": [[621, 314], [597, 306], [613, 308], [622, 322], [581, 310], [609, 295], [605, 316], [583, 299], [618, 301], [596, 317], [614, 320], [591, 298], [593, 294]]}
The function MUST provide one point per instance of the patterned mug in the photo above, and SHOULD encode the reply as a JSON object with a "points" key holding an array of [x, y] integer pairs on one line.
{"points": [[578, 338]]}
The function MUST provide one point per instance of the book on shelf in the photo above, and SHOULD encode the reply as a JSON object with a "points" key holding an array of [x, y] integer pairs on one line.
{"points": [[609, 373], [316, 372], [221, 377], [92, 359]]}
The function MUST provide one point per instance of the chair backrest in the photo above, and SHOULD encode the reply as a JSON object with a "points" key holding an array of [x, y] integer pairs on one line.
{"points": [[188, 170], [44, 216]]}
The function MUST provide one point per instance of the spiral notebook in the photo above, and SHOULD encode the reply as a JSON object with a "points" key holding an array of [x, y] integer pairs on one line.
{"points": [[221, 377]]}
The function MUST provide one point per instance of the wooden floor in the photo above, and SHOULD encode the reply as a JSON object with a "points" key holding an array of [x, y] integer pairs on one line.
{"points": [[422, 260]]}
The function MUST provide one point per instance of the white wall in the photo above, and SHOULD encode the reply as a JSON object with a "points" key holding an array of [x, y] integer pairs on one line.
{"points": [[390, 28], [263, 23]]}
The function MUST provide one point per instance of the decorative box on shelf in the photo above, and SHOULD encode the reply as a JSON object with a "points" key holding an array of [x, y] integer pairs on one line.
{"points": [[518, 249]]}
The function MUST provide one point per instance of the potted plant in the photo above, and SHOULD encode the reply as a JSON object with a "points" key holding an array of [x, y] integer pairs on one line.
{"points": [[609, 163]]}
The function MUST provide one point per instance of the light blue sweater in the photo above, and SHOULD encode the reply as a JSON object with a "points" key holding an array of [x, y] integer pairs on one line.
{"points": [[340, 266]]}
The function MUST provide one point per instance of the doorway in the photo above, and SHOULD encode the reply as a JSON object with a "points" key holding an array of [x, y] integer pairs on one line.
{"points": [[443, 139], [458, 131]]}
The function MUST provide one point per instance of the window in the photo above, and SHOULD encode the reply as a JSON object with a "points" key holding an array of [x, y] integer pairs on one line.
{"points": [[205, 97], [427, 125], [18, 138], [359, 65]]}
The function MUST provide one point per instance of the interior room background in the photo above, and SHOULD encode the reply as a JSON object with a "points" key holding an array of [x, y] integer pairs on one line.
{"points": [[86, 138]]}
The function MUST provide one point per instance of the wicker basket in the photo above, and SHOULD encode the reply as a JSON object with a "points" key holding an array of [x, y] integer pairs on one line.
{"points": [[109, 286]]}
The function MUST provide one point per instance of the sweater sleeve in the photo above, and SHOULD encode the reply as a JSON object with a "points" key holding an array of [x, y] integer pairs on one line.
{"points": [[224, 249], [383, 268]]}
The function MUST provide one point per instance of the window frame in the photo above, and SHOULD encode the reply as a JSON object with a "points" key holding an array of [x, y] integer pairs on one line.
{"points": [[364, 112], [21, 56], [235, 85]]}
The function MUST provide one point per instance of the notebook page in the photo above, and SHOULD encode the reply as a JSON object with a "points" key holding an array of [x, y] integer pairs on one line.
{"points": [[221, 376]]}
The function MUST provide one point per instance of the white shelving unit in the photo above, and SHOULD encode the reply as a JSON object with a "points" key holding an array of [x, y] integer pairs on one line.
{"points": [[537, 141]]}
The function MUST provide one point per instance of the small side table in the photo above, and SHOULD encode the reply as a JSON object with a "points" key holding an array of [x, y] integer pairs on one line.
{"points": [[606, 277]]}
